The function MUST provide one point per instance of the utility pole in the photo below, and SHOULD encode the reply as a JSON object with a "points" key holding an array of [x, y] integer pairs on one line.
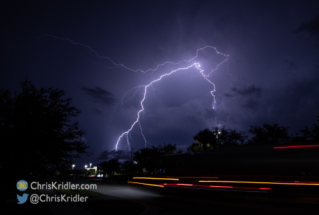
{"points": [[216, 134]]}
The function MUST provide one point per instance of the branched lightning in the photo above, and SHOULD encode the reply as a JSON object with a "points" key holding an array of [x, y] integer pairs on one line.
{"points": [[134, 70], [142, 102], [195, 65], [142, 134], [123, 100]]}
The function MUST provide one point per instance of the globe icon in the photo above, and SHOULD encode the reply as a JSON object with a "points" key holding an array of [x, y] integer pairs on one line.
{"points": [[22, 185]]}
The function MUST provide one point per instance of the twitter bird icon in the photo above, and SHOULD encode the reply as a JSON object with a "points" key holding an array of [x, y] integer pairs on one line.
{"points": [[22, 199]]}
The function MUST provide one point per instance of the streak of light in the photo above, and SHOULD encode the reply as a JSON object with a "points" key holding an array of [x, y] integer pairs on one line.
{"points": [[195, 65], [300, 146], [194, 177], [154, 185], [171, 179], [215, 186], [258, 182], [313, 182]]}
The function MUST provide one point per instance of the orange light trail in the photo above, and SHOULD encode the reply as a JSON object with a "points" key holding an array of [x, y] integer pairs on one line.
{"points": [[154, 185], [195, 177], [312, 182]]}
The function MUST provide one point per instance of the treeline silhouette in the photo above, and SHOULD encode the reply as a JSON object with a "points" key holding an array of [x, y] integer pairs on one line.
{"points": [[38, 137], [36, 131], [158, 159], [208, 140], [153, 159]]}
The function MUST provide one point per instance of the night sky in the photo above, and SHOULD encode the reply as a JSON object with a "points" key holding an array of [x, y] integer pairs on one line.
{"points": [[271, 75]]}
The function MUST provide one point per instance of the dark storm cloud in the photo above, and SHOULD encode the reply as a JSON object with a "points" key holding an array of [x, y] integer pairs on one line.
{"points": [[178, 124], [119, 154], [210, 113], [248, 90], [251, 104], [97, 111], [294, 105], [228, 95], [299, 94], [290, 66], [311, 27], [256, 35], [100, 95]]}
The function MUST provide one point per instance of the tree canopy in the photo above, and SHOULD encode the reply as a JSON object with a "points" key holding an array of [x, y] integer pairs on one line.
{"points": [[110, 166], [229, 137], [204, 140], [269, 134], [155, 157], [37, 129], [311, 134]]}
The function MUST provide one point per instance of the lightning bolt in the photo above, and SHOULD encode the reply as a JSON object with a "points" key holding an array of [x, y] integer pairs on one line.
{"points": [[130, 69], [195, 65], [137, 121], [123, 100]]}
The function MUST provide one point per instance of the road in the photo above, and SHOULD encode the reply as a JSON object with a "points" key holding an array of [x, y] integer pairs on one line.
{"points": [[198, 201]]}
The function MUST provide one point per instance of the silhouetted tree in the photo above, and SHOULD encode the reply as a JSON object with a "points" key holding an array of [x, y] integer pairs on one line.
{"points": [[167, 149], [154, 158], [269, 134], [237, 138], [296, 138], [110, 166], [36, 129], [128, 167], [145, 157], [306, 134], [311, 134], [104, 167], [315, 130], [229, 137], [204, 141]]}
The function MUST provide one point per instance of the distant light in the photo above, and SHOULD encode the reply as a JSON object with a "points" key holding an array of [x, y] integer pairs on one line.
{"points": [[299, 146], [170, 179]]}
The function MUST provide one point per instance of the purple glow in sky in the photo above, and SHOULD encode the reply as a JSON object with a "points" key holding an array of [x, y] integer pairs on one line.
{"points": [[194, 65], [270, 77]]}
